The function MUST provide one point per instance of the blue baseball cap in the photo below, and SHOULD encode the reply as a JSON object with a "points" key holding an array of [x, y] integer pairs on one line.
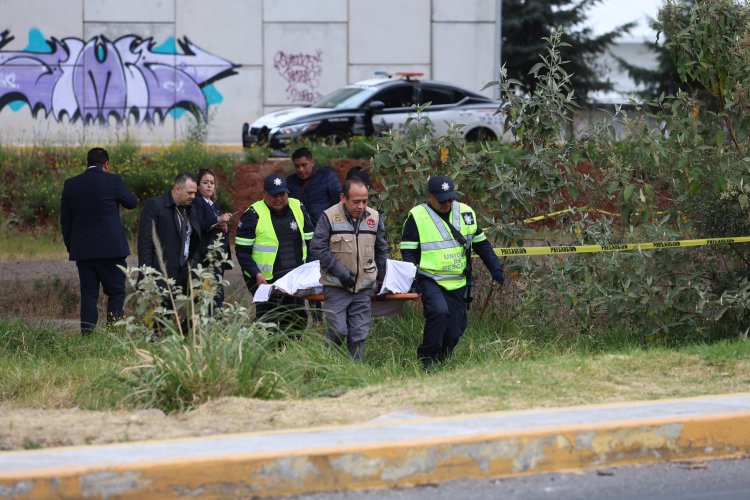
{"points": [[275, 184], [442, 187]]}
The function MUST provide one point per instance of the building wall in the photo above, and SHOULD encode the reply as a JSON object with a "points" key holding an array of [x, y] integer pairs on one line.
{"points": [[96, 70]]}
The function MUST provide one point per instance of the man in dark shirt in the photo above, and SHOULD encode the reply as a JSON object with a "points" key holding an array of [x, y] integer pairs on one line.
{"points": [[273, 237], [317, 188]]}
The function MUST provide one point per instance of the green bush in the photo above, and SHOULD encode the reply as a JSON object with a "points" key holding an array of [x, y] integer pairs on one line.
{"points": [[359, 147], [125, 153], [257, 153]]}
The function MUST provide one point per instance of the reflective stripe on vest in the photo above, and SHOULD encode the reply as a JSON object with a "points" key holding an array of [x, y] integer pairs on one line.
{"points": [[266, 243], [442, 258]]}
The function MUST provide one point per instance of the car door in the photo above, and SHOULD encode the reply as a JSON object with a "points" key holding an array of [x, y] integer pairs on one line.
{"points": [[442, 109], [398, 100]]}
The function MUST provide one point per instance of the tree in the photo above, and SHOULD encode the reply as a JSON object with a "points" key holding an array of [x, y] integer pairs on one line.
{"points": [[664, 78], [526, 23], [711, 46]]}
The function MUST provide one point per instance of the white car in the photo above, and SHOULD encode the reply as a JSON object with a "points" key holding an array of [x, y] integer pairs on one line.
{"points": [[371, 106]]}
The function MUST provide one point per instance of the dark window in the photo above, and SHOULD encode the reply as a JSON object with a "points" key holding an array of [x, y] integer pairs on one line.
{"points": [[401, 96], [440, 95]]}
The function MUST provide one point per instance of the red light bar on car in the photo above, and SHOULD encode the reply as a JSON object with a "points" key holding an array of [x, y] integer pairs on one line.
{"points": [[409, 74]]}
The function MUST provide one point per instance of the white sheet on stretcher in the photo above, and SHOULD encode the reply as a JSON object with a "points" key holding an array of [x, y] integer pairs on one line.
{"points": [[305, 280]]}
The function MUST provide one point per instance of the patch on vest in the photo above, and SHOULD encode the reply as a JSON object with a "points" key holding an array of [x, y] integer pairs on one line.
{"points": [[468, 218], [293, 225], [337, 218], [371, 223], [239, 224]]}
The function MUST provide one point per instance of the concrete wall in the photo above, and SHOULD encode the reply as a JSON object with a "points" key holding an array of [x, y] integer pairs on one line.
{"points": [[95, 70], [248, 57]]}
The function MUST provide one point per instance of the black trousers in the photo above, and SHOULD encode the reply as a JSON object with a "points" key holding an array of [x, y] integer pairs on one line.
{"points": [[104, 272], [445, 320]]}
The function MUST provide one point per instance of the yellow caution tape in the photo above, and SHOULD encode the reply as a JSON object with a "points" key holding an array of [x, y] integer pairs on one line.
{"points": [[578, 209], [625, 247], [568, 210]]}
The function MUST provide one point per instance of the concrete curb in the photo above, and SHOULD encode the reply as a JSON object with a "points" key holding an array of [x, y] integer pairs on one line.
{"points": [[386, 454]]}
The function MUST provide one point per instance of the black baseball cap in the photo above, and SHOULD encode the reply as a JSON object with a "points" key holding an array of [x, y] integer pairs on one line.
{"points": [[442, 187], [275, 184]]}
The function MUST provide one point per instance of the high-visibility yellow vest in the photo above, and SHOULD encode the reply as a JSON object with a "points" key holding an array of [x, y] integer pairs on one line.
{"points": [[442, 258], [266, 244]]}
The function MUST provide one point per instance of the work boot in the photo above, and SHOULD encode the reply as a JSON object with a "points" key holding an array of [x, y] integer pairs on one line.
{"points": [[357, 350], [429, 364]]}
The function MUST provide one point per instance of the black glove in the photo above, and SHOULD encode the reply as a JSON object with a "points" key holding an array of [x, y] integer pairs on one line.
{"points": [[348, 281], [416, 286], [498, 276]]}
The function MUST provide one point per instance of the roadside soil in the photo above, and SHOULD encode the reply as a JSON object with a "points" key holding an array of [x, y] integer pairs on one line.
{"points": [[25, 428]]}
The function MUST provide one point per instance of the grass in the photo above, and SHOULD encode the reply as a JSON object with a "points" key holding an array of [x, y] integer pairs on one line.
{"points": [[44, 244], [495, 367], [45, 366]]}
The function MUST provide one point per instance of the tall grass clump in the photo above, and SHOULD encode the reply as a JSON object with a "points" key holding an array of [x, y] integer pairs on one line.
{"points": [[178, 373], [198, 352]]}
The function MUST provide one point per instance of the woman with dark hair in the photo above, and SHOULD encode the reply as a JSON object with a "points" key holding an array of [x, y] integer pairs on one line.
{"points": [[212, 222]]}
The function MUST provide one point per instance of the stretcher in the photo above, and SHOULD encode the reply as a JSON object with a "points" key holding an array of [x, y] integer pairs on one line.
{"points": [[318, 297]]}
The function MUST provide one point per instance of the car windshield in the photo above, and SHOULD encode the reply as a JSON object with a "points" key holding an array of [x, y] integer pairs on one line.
{"points": [[347, 97]]}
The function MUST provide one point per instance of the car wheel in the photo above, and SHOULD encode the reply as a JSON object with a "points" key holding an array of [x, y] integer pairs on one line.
{"points": [[334, 137], [245, 132], [481, 134]]}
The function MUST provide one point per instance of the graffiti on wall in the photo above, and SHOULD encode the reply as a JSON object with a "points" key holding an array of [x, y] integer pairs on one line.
{"points": [[97, 79], [302, 74]]}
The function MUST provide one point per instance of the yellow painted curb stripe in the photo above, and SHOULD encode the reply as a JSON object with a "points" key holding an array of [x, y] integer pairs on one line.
{"points": [[623, 247], [406, 463]]}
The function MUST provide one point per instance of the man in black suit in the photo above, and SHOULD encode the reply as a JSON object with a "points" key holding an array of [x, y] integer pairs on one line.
{"points": [[95, 237], [169, 219]]}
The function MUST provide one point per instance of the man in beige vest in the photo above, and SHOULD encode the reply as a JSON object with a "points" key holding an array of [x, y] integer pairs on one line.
{"points": [[349, 241]]}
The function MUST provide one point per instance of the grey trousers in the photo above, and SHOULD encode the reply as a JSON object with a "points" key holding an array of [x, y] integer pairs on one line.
{"points": [[348, 316]]}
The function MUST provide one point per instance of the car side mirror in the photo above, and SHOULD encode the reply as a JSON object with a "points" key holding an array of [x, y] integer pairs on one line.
{"points": [[376, 106]]}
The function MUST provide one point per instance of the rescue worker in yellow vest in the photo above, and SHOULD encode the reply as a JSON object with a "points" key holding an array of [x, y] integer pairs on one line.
{"points": [[273, 237], [350, 243], [435, 237]]}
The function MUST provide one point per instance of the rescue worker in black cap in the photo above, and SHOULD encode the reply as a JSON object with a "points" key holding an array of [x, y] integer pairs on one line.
{"points": [[438, 237], [273, 237]]}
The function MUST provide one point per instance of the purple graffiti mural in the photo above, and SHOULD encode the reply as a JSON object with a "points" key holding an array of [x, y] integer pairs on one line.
{"points": [[302, 73], [100, 78]]}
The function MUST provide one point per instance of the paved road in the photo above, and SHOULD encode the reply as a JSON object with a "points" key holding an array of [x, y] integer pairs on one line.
{"points": [[717, 479]]}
